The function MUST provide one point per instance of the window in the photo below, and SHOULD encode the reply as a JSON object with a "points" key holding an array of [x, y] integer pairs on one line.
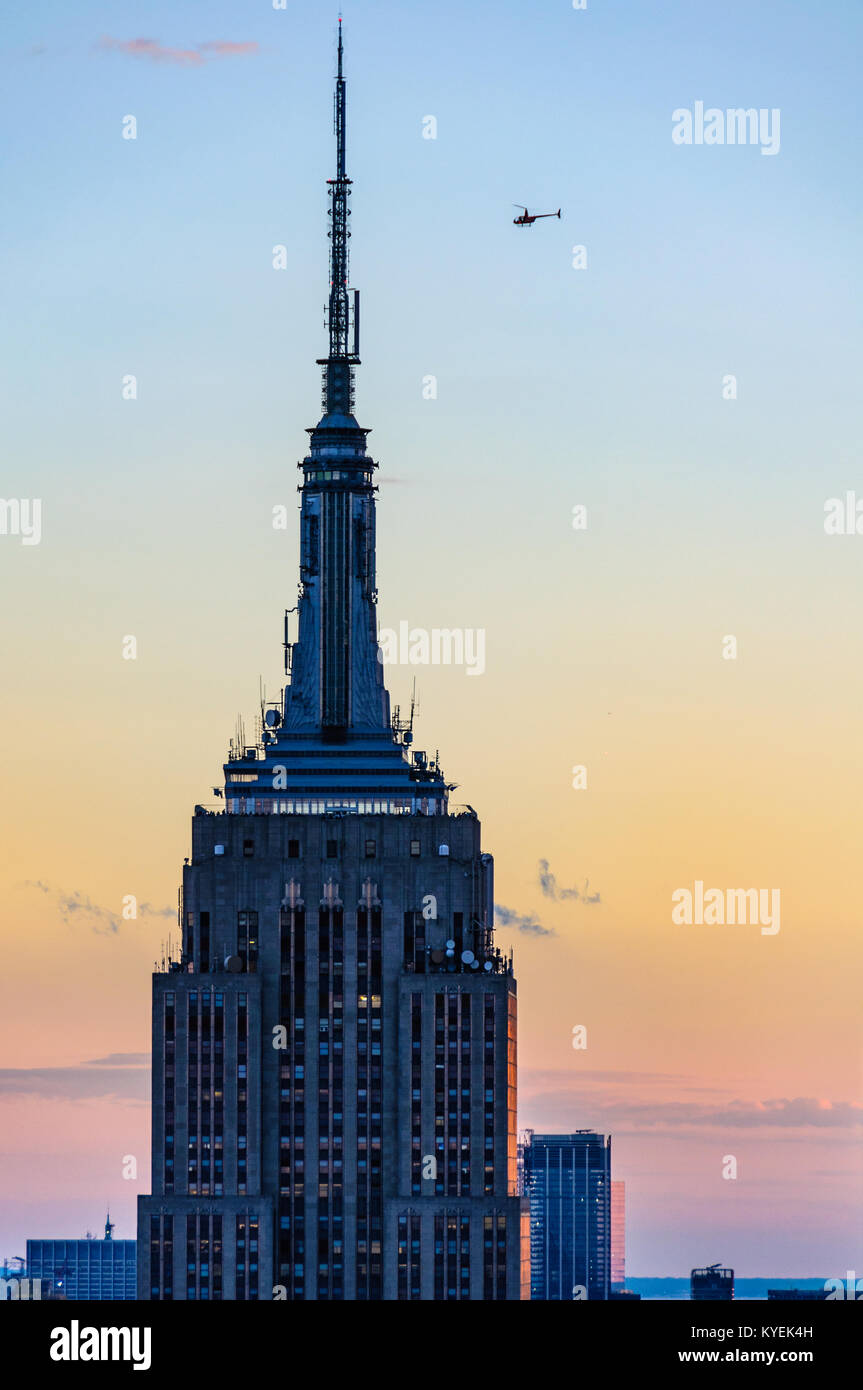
{"points": [[332, 849], [293, 849], [415, 848], [371, 849], [248, 848]]}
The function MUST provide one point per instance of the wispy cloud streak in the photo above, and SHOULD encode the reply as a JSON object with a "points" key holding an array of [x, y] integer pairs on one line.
{"points": [[87, 1082], [157, 52], [77, 906], [599, 1099], [549, 887], [522, 922]]}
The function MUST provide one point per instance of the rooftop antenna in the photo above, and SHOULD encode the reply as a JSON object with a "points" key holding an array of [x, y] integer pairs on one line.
{"points": [[405, 727], [241, 737], [339, 365], [288, 644]]}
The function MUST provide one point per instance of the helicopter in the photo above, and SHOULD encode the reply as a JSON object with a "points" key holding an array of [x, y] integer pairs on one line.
{"points": [[527, 219]]}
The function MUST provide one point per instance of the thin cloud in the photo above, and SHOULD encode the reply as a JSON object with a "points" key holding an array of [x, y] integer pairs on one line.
{"points": [[120, 1059], [587, 1103], [522, 922], [224, 48], [549, 887], [77, 906], [157, 52], [86, 1082]]}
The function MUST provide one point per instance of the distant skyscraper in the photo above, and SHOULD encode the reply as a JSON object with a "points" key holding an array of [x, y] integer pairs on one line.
{"points": [[712, 1284], [568, 1183], [334, 1054], [618, 1234], [524, 1139], [86, 1269]]}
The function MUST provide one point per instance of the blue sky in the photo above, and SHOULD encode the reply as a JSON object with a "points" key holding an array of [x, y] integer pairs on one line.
{"points": [[156, 253]]}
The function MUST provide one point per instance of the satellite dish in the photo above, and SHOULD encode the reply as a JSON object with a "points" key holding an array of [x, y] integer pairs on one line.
{"points": [[450, 945], [437, 957], [487, 965], [272, 719], [474, 965], [467, 957], [234, 964]]}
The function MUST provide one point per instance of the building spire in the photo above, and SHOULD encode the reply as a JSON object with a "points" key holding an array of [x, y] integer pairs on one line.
{"points": [[336, 678], [336, 692], [338, 386]]}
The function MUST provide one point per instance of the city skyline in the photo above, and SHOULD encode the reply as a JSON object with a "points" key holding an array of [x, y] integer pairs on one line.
{"points": [[555, 387]]}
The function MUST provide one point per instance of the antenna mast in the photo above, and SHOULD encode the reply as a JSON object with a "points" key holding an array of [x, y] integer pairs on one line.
{"points": [[338, 384]]}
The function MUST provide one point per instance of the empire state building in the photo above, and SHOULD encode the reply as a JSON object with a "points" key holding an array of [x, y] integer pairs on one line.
{"points": [[334, 1052]]}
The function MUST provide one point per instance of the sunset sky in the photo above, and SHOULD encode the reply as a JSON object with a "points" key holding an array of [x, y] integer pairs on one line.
{"points": [[556, 387]]}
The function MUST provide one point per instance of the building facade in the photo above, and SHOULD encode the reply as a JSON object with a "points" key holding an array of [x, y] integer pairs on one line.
{"points": [[85, 1269], [618, 1233], [334, 1050], [524, 1139], [568, 1185], [712, 1284]]}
